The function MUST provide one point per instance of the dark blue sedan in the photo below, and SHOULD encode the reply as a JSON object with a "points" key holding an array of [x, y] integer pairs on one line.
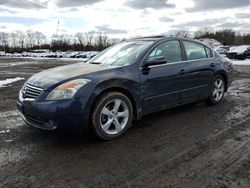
{"points": [[124, 82]]}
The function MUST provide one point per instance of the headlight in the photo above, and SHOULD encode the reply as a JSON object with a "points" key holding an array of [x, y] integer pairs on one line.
{"points": [[67, 90]]}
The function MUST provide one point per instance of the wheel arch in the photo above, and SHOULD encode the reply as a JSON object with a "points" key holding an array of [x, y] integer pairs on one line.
{"points": [[224, 75], [124, 92]]}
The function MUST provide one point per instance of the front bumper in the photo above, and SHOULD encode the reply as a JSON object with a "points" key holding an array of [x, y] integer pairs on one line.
{"points": [[50, 115]]}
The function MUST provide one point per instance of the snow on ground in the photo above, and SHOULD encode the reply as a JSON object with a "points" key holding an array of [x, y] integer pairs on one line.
{"points": [[22, 63], [3, 83], [241, 62], [10, 120]]}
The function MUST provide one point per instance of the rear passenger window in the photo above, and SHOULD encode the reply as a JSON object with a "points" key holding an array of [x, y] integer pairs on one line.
{"points": [[209, 52], [194, 50]]}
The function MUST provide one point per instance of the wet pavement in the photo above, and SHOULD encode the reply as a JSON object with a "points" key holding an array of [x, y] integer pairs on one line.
{"points": [[190, 146]]}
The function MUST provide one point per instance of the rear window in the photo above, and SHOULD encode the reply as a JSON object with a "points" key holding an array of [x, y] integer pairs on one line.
{"points": [[195, 50]]}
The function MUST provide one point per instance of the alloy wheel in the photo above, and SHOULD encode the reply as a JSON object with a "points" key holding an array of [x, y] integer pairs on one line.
{"points": [[114, 116], [218, 90]]}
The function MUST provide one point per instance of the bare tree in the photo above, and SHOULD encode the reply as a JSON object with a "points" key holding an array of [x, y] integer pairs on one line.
{"points": [[80, 38], [202, 32], [39, 38], [3, 40], [13, 39], [20, 39], [182, 33], [89, 38], [30, 38], [101, 41]]}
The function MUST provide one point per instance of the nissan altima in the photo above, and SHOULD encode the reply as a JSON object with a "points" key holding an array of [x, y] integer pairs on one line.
{"points": [[123, 83]]}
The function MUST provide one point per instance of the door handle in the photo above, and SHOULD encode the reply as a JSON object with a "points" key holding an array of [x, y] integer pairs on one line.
{"points": [[182, 72]]}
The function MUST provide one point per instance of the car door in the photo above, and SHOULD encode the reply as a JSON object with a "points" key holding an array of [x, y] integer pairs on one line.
{"points": [[201, 67], [161, 85]]}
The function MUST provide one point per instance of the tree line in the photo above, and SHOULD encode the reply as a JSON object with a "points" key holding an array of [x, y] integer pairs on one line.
{"points": [[29, 40], [226, 36], [20, 41]]}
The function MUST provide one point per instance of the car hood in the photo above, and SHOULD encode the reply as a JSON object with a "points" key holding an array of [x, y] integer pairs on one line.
{"points": [[239, 49], [47, 78]]}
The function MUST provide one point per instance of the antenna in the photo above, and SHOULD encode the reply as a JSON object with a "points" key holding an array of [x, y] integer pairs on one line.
{"points": [[57, 27]]}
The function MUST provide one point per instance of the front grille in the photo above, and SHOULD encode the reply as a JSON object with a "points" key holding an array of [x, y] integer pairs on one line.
{"points": [[31, 92]]}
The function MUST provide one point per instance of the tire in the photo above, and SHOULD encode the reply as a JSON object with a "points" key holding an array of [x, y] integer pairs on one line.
{"points": [[217, 90], [112, 115]]}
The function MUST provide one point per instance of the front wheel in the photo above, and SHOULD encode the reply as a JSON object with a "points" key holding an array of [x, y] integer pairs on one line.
{"points": [[112, 115], [217, 90]]}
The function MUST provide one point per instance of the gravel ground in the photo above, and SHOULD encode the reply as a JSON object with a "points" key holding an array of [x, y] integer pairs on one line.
{"points": [[189, 146]]}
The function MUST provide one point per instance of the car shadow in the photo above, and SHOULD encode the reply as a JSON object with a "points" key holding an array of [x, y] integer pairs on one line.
{"points": [[67, 138]]}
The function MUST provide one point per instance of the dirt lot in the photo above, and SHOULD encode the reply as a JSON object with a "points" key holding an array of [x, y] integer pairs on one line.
{"points": [[190, 146]]}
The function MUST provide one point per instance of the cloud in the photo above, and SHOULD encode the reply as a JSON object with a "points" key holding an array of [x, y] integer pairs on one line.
{"points": [[205, 5], [4, 10], [3, 27], [108, 30], [75, 3], [200, 23], [233, 25], [166, 19], [25, 4], [243, 15], [21, 20], [143, 4]]}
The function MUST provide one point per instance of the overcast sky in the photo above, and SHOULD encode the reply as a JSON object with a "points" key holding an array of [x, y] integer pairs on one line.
{"points": [[124, 18]]}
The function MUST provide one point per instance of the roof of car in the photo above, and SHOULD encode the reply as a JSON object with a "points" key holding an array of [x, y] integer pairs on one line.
{"points": [[162, 38], [155, 38]]}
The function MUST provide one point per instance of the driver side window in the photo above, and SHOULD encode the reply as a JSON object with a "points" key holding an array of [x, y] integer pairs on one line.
{"points": [[171, 50]]}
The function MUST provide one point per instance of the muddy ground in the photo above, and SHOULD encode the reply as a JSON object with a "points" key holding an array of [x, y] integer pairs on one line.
{"points": [[190, 146]]}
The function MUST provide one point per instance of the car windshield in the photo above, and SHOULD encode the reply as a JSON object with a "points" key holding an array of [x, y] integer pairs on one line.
{"points": [[121, 54]]}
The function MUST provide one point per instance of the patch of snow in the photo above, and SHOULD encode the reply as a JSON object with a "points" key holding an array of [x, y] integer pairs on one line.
{"points": [[3, 83], [4, 131], [211, 42], [7, 114], [23, 63], [10, 120], [241, 62]]}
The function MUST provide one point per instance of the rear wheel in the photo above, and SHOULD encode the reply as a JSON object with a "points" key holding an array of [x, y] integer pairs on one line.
{"points": [[217, 90], [112, 115]]}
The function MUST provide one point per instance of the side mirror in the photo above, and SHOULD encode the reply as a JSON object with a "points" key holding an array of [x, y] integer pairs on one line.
{"points": [[155, 61]]}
